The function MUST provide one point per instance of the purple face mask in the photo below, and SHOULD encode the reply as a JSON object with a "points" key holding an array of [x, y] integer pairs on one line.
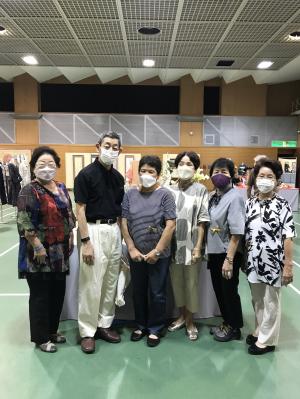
{"points": [[220, 181]]}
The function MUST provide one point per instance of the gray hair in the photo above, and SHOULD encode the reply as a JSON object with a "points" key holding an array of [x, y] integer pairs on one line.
{"points": [[111, 135], [258, 158]]}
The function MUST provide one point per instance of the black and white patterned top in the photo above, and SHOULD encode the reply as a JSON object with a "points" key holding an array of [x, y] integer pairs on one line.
{"points": [[268, 224]]}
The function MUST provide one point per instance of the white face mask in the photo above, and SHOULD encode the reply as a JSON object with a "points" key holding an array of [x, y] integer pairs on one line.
{"points": [[108, 156], [45, 173], [147, 180], [265, 185], [185, 172]]}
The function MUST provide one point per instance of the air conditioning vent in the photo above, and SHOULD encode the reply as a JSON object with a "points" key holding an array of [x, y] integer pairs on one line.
{"points": [[209, 139], [254, 140]]}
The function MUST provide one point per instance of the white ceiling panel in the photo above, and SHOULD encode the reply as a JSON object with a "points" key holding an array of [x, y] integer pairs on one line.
{"points": [[104, 47], [104, 9], [55, 46], [289, 50], [148, 48], [248, 32], [4, 60], [15, 45], [193, 49], [149, 10], [47, 28], [96, 29], [69, 60], [237, 50], [29, 8], [209, 10], [200, 32], [41, 58], [184, 62], [269, 10], [109, 61]]}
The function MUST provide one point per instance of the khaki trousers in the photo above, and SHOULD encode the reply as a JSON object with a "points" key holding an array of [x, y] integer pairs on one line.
{"points": [[267, 308], [185, 280], [98, 283]]}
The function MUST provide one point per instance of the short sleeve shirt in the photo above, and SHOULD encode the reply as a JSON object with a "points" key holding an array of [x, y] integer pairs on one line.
{"points": [[268, 224], [227, 217], [146, 215], [101, 190]]}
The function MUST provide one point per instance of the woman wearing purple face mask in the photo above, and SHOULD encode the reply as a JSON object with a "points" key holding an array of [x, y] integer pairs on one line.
{"points": [[227, 224]]}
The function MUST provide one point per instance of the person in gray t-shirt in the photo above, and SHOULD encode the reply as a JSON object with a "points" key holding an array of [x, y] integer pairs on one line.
{"points": [[148, 223], [227, 225]]}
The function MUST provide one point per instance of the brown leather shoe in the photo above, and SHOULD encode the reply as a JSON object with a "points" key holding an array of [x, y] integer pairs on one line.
{"points": [[88, 345], [108, 335]]}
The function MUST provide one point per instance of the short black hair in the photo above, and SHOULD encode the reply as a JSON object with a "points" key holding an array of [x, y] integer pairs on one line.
{"points": [[275, 167], [39, 151], [194, 158], [223, 163], [111, 135], [151, 160]]}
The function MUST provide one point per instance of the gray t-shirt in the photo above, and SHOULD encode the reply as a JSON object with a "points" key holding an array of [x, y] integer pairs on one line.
{"points": [[226, 218], [146, 215]]}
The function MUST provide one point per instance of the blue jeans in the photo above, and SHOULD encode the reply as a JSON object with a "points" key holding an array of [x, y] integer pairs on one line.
{"points": [[149, 283]]}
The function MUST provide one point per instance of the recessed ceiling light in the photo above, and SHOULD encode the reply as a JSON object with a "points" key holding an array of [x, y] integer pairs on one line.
{"points": [[148, 30], [265, 64], [30, 60], [294, 36], [3, 31], [148, 63]]}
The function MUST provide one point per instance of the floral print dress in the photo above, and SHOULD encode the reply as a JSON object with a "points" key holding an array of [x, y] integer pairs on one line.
{"points": [[268, 224]]}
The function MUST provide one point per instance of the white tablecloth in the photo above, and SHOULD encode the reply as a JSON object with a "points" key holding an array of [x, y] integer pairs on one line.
{"points": [[290, 194], [208, 306]]}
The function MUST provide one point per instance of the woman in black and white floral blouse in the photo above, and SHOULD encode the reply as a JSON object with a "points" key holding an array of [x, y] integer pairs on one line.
{"points": [[269, 239]]}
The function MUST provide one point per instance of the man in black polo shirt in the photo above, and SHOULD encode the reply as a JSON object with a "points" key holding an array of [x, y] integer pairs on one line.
{"points": [[99, 190]]}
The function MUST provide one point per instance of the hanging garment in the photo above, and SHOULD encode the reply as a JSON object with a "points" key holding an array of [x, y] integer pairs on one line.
{"points": [[14, 184], [3, 198], [24, 171]]}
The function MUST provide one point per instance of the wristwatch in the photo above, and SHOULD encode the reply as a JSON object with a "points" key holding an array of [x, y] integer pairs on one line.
{"points": [[157, 253]]}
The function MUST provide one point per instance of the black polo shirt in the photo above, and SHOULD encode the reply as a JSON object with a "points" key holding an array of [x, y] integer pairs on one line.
{"points": [[101, 190]]}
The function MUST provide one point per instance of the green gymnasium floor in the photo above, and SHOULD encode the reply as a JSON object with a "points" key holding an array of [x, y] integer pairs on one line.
{"points": [[177, 368]]}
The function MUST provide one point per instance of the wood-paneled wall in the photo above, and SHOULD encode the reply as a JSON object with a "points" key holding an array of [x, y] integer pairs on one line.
{"points": [[281, 96], [26, 98], [244, 98]]}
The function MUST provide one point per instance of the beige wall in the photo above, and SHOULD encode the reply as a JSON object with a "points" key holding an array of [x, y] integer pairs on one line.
{"points": [[191, 97], [244, 98], [26, 98], [281, 96]]}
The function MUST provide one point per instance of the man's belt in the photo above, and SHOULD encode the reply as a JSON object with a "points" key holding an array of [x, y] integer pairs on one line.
{"points": [[102, 221]]}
